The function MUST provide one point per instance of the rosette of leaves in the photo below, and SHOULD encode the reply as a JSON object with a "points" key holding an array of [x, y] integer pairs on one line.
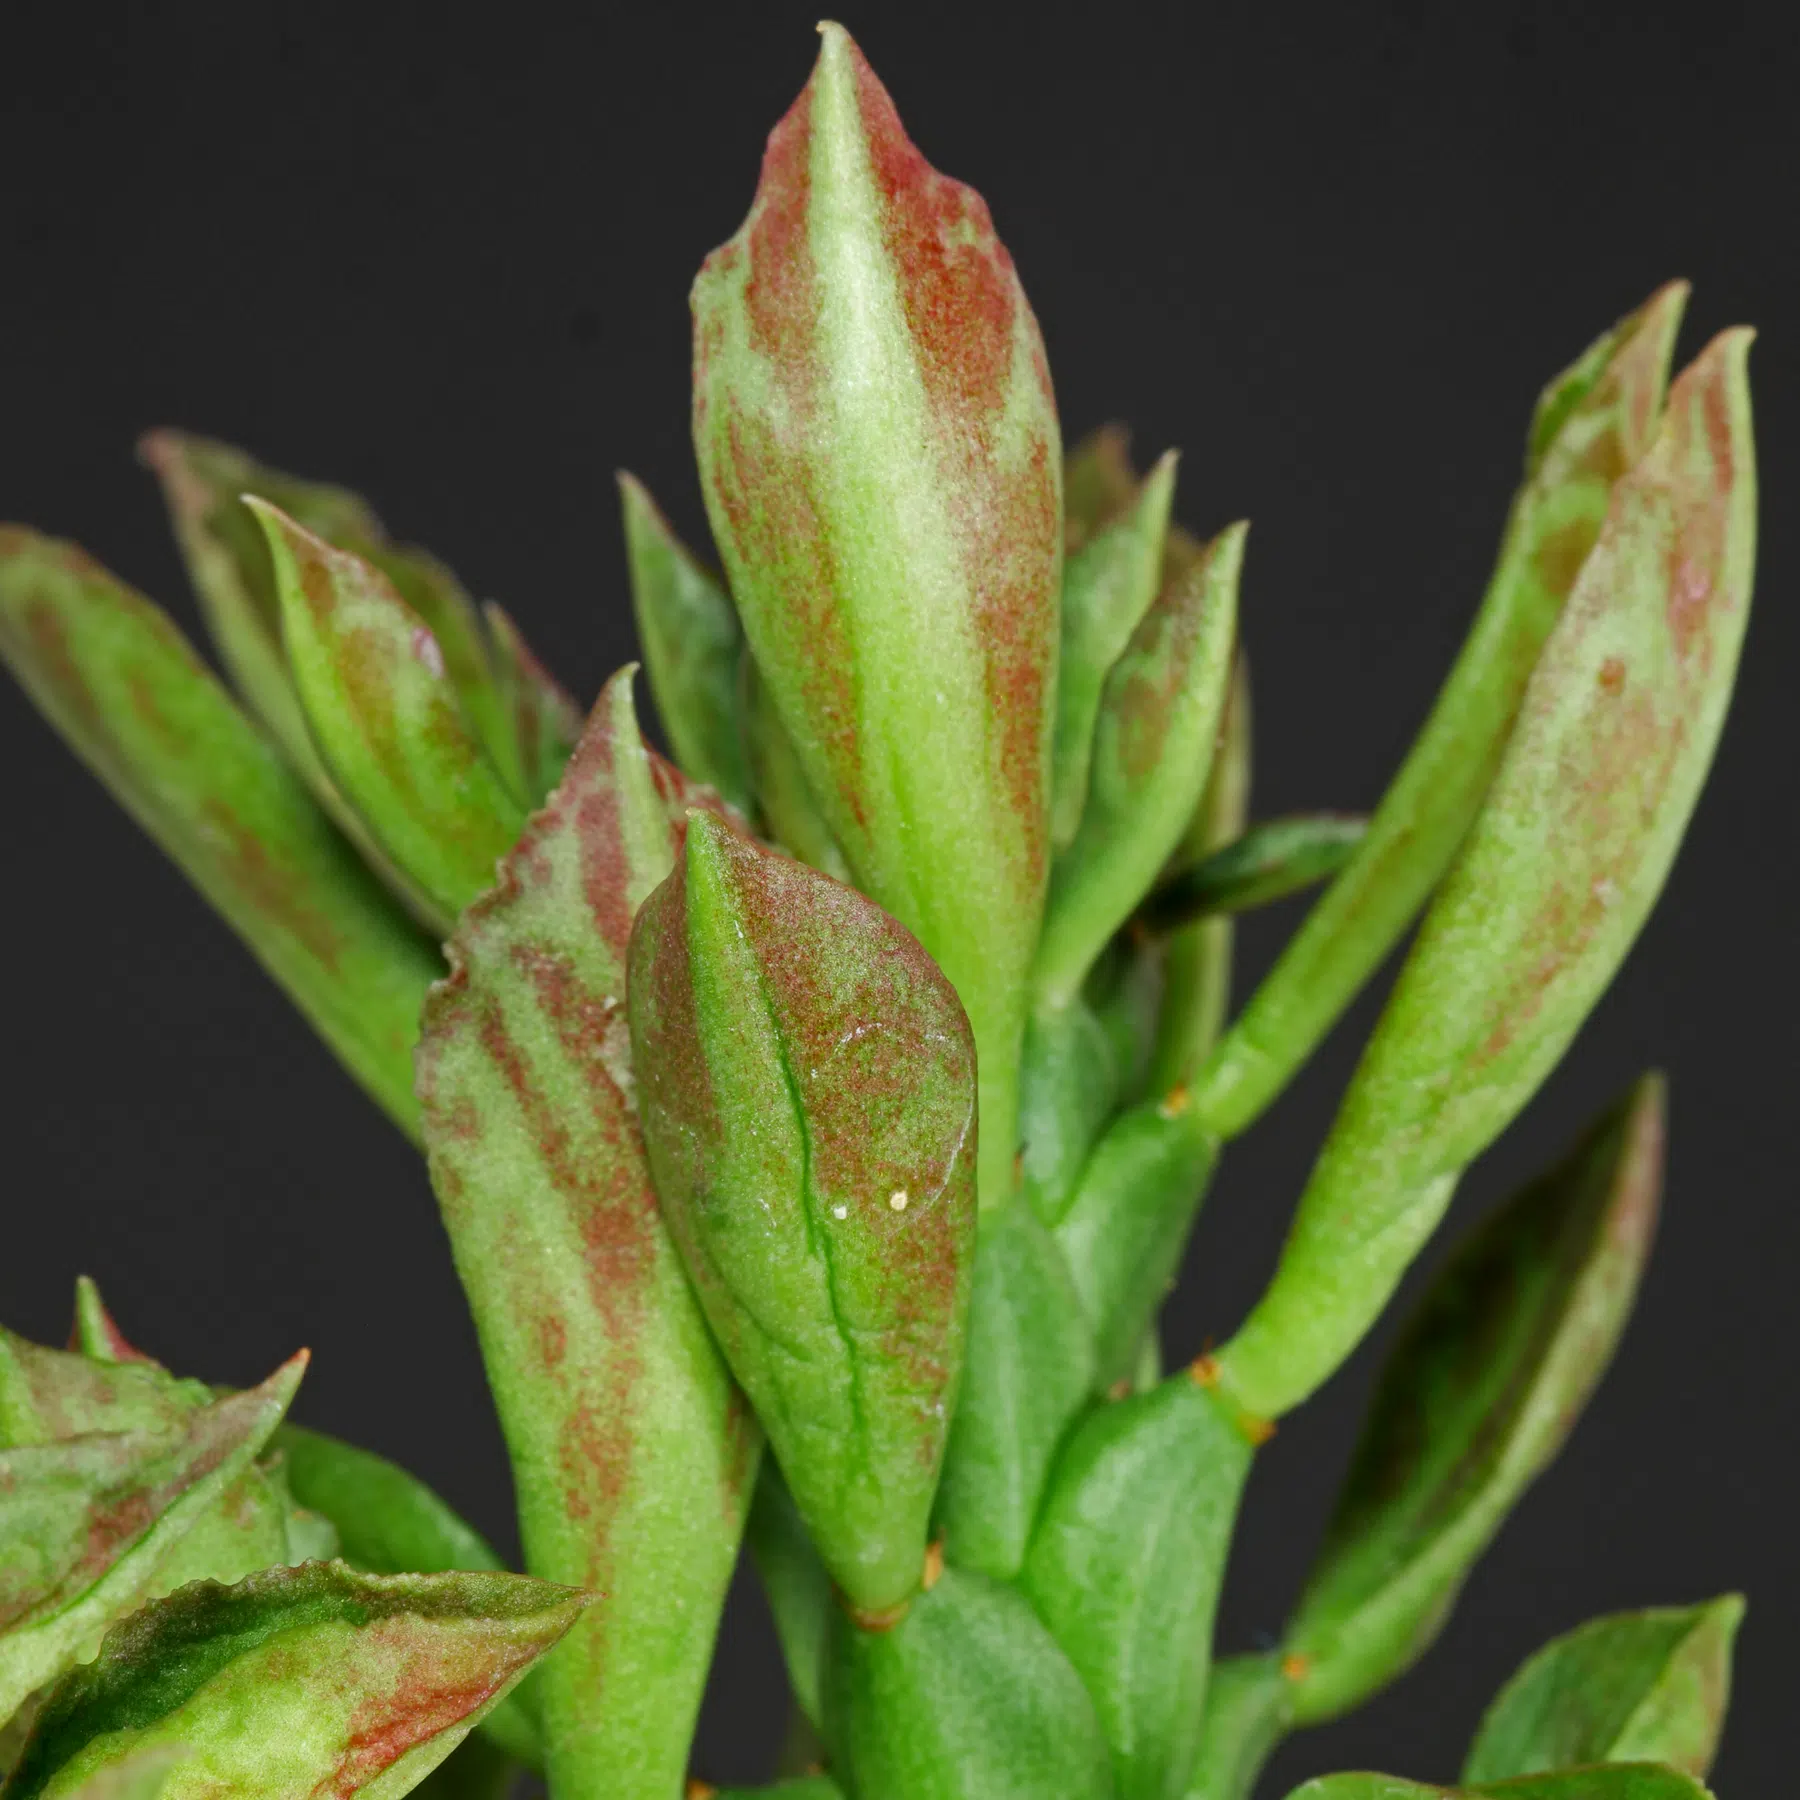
{"points": [[819, 1114]]}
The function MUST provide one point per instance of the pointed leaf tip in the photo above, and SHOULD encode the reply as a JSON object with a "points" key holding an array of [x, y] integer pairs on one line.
{"points": [[806, 1090]]}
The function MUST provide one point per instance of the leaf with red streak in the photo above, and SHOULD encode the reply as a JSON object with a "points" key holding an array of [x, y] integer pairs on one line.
{"points": [[807, 1086], [1478, 1395], [1099, 483], [88, 1523], [692, 642], [204, 484], [120, 683], [1592, 424], [1153, 745], [546, 722], [387, 721], [296, 1684], [882, 466], [1556, 878], [96, 1333], [610, 1390]]}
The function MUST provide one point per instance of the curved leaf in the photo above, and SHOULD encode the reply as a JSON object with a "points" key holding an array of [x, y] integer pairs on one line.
{"points": [[806, 1081], [610, 1391], [546, 723], [1603, 1781], [122, 686], [1247, 1714], [1267, 862]]}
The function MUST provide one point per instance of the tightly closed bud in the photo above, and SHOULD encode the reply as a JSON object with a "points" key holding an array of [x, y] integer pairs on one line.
{"points": [[806, 1085], [880, 456]]}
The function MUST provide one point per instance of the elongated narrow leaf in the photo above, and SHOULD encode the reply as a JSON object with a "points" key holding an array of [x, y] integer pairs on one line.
{"points": [[1068, 1089], [1195, 988], [296, 1682], [806, 1081], [1602, 1781], [204, 484], [87, 1524], [1153, 745], [545, 722], [968, 1694], [1108, 585], [880, 458], [1133, 1208], [387, 719], [118, 681], [1268, 862], [1126, 1564], [1247, 1711], [1560, 870], [1647, 1686], [610, 1391], [1477, 1397], [798, 1588], [95, 1333], [1099, 483], [783, 796], [1592, 424], [1028, 1368], [692, 643]]}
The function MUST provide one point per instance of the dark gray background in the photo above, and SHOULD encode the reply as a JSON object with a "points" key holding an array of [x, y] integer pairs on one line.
{"points": [[1331, 254]]}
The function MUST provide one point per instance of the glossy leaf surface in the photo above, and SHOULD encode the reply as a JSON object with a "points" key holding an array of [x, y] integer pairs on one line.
{"points": [[610, 1391], [1477, 1397], [1126, 1564], [880, 459], [1592, 424], [1153, 745], [1568, 854], [1028, 1368], [1647, 1686], [88, 1523], [376, 692], [806, 1081], [967, 1696], [1108, 586], [123, 687], [295, 1683], [692, 644]]}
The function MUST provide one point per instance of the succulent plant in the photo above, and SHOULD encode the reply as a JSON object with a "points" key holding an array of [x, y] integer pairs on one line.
{"points": [[818, 1118]]}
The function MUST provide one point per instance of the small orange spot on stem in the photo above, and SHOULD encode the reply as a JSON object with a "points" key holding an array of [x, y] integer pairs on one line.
{"points": [[1205, 1370], [934, 1566], [700, 1790], [1295, 1666], [1258, 1431], [1612, 675], [1119, 1388], [1175, 1102]]}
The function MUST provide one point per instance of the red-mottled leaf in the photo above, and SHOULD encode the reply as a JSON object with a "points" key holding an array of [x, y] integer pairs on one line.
{"points": [[297, 1684], [87, 1523], [807, 1085], [122, 685], [880, 458], [611, 1393], [387, 719], [1558, 873]]}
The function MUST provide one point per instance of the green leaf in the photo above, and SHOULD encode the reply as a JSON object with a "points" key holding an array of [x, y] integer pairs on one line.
{"points": [[692, 643], [87, 1523], [879, 455], [50, 1394], [1123, 1234], [96, 1334], [1099, 483], [1068, 1089], [783, 797], [1028, 1367], [546, 722], [122, 686], [1108, 585], [1593, 423], [609, 1389], [1153, 745], [1559, 871], [1647, 1686], [1604, 1781], [806, 1084], [1267, 862], [296, 1682], [141, 1776], [1477, 1397], [1247, 1714], [1126, 1564], [967, 1695], [388, 721], [205, 483], [1196, 961], [798, 1589]]}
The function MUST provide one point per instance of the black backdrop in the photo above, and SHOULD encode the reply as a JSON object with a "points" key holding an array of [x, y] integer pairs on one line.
{"points": [[1332, 256]]}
